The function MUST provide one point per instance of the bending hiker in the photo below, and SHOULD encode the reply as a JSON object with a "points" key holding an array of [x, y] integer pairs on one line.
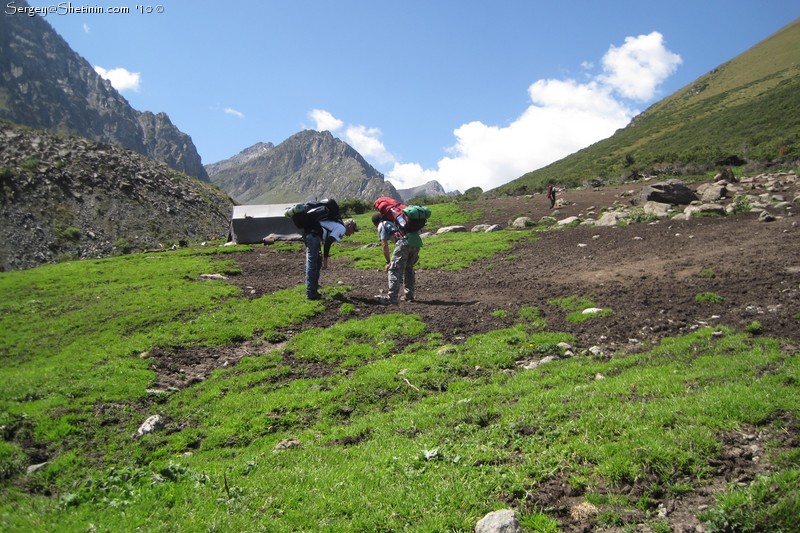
{"points": [[400, 265], [551, 195], [321, 224], [319, 239]]}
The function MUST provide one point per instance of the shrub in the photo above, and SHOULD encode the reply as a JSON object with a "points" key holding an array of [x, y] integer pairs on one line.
{"points": [[754, 327], [29, 165], [70, 233], [708, 298]]}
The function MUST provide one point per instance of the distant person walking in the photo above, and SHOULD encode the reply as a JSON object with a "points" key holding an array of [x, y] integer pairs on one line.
{"points": [[400, 265], [551, 195]]}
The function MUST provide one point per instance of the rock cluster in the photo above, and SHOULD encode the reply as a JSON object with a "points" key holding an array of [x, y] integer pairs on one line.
{"points": [[69, 197], [769, 196]]}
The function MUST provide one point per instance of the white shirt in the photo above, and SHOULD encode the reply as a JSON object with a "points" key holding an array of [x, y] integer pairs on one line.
{"points": [[331, 228]]}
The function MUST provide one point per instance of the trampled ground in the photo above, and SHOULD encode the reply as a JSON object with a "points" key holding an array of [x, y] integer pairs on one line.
{"points": [[647, 274]]}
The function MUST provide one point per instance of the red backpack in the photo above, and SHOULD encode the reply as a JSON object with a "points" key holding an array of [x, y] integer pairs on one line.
{"points": [[392, 210], [407, 218]]}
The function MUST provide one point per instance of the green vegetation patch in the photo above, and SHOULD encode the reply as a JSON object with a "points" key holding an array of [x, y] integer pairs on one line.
{"points": [[449, 251], [579, 308], [708, 298], [368, 424]]}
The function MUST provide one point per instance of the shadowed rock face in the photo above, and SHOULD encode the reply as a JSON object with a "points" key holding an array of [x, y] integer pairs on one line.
{"points": [[44, 84]]}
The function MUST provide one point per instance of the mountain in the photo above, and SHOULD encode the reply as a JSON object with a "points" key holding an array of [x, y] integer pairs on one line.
{"points": [[744, 112], [44, 84], [430, 189], [308, 165], [67, 197], [240, 159]]}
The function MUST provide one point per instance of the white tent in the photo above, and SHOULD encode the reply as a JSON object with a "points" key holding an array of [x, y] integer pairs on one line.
{"points": [[251, 223]]}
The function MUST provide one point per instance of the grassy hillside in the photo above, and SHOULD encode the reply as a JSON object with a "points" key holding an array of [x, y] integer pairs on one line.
{"points": [[367, 425], [747, 108]]}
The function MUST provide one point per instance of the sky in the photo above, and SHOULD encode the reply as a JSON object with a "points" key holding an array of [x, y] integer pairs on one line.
{"points": [[468, 93]]}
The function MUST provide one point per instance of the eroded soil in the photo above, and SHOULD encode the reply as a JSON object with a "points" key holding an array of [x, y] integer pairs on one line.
{"points": [[648, 274]]}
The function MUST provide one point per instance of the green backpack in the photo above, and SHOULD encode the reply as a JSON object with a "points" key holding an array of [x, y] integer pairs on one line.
{"points": [[417, 216]]}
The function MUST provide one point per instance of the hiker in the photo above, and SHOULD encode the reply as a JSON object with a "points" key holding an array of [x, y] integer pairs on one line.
{"points": [[319, 239], [551, 195], [400, 265]]}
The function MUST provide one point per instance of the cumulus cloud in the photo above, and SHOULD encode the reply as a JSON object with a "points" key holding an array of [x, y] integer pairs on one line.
{"points": [[636, 68], [324, 120], [563, 116], [121, 79], [367, 142], [234, 112]]}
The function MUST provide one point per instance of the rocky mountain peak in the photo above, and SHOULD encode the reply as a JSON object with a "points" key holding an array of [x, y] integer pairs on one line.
{"points": [[307, 165], [44, 84]]}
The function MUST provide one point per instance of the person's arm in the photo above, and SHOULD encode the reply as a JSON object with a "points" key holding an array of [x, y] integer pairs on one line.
{"points": [[385, 247], [326, 251]]}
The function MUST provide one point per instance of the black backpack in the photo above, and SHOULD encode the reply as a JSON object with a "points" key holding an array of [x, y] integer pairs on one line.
{"points": [[307, 216]]}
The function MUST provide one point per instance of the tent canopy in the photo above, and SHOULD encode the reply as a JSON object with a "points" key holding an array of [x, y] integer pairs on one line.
{"points": [[251, 223]]}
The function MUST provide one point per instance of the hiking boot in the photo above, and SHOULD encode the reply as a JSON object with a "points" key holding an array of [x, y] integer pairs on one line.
{"points": [[409, 297], [382, 299], [316, 296]]}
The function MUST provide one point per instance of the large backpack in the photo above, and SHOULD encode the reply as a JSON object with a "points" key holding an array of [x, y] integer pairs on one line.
{"points": [[307, 216], [406, 218], [417, 216]]}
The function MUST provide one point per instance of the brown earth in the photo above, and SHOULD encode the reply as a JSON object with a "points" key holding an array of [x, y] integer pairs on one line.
{"points": [[648, 274]]}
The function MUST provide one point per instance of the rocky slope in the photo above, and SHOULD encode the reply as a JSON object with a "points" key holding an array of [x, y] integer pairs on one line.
{"points": [[44, 84], [68, 197], [308, 165]]}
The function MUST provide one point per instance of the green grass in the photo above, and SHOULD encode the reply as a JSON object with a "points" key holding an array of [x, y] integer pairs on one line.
{"points": [[708, 298], [747, 107], [367, 425], [576, 305], [449, 251]]}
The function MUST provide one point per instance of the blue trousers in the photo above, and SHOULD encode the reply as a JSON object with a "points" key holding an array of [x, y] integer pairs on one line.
{"points": [[313, 265]]}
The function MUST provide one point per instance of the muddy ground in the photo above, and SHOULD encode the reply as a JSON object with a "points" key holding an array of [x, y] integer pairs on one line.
{"points": [[648, 274]]}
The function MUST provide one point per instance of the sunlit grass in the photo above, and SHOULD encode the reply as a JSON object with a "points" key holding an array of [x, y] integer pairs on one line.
{"points": [[369, 424]]}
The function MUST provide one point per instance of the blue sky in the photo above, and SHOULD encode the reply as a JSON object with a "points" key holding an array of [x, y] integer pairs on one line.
{"points": [[468, 93]]}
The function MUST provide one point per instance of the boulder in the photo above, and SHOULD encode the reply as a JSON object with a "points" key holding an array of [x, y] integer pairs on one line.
{"points": [[503, 521], [673, 192]]}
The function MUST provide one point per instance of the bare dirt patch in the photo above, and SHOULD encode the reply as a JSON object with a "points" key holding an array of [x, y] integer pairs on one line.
{"points": [[648, 274]]}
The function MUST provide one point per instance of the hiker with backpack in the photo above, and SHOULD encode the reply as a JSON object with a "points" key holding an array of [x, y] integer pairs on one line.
{"points": [[322, 226], [401, 223]]}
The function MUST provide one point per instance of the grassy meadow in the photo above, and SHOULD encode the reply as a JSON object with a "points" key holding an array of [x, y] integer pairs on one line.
{"points": [[376, 425]]}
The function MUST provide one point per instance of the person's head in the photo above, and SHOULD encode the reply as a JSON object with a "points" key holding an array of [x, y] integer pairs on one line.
{"points": [[350, 227], [376, 219]]}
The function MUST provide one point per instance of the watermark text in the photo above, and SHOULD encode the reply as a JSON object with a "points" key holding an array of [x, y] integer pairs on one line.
{"points": [[68, 8]]}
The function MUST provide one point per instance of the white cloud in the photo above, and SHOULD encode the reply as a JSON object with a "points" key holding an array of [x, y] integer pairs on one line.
{"points": [[86, 28], [564, 116], [324, 120], [367, 143], [637, 67], [121, 79], [235, 113]]}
